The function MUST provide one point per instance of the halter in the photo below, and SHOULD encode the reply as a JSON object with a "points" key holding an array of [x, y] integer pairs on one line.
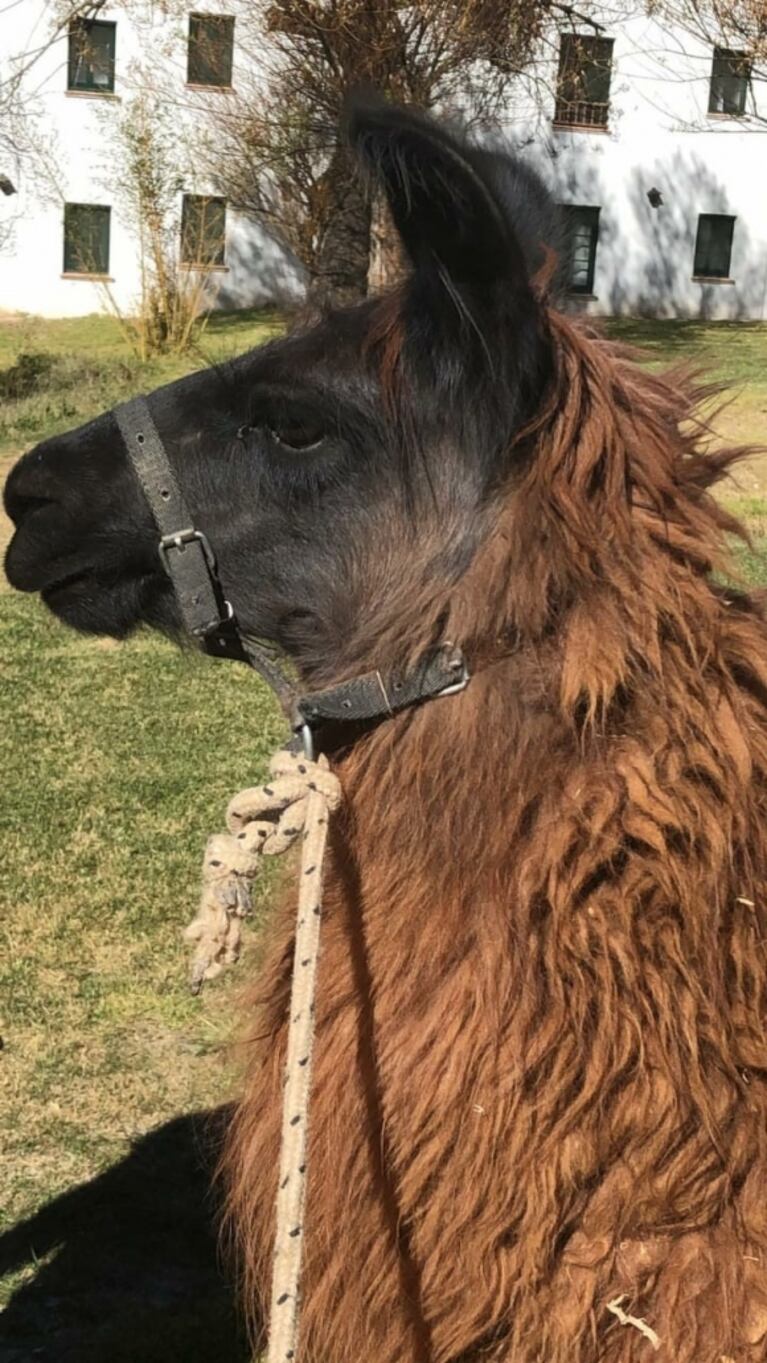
{"points": [[323, 720]]}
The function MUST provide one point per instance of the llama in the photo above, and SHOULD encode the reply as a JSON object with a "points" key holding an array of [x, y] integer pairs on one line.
{"points": [[539, 1123]]}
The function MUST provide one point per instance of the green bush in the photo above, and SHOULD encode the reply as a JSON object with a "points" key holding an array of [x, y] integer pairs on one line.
{"points": [[46, 393], [30, 372]]}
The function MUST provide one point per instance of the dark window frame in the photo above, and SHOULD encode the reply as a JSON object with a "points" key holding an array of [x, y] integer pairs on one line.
{"points": [[218, 258], [74, 263], [200, 69], [728, 65], [79, 34], [585, 71], [699, 261], [592, 214]]}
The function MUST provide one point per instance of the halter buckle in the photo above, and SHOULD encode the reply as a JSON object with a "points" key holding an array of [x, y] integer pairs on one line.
{"points": [[178, 540]]}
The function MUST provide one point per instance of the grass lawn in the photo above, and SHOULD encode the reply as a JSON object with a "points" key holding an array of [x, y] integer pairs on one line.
{"points": [[117, 763], [732, 352]]}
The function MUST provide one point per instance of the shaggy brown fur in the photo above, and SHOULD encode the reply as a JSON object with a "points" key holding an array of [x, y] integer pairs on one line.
{"points": [[541, 1065]]}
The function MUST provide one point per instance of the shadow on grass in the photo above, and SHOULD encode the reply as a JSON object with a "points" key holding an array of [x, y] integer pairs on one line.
{"points": [[130, 1271]]}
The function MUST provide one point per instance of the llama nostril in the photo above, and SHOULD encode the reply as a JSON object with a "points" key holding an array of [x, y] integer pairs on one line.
{"points": [[19, 502], [32, 484], [20, 506]]}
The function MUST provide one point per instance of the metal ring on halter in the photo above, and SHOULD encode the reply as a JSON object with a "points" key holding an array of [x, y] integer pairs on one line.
{"points": [[307, 739]]}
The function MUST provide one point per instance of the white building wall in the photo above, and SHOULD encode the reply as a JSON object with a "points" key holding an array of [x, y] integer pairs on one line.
{"points": [[73, 161], [660, 136]]}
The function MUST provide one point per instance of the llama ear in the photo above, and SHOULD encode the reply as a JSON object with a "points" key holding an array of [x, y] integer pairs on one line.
{"points": [[443, 204]]}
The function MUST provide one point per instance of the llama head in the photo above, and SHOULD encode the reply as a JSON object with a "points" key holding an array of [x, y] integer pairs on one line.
{"points": [[346, 474]]}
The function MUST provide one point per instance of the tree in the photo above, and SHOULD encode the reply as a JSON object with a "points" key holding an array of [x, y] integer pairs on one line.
{"points": [[274, 144], [175, 297], [145, 168]]}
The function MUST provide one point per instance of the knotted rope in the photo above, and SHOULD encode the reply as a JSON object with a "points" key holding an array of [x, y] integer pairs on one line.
{"points": [[265, 821]]}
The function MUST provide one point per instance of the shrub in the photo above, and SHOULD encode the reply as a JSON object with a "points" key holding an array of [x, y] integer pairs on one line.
{"points": [[30, 372], [42, 393]]}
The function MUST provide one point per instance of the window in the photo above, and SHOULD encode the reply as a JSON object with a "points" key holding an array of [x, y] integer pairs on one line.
{"points": [[713, 246], [203, 230], [581, 237], [86, 239], [730, 76], [92, 56], [211, 44], [583, 82]]}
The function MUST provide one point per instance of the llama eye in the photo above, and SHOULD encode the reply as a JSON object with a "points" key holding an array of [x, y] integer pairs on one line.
{"points": [[297, 435]]}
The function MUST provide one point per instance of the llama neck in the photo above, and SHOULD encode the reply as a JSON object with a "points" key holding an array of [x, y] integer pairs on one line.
{"points": [[445, 801], [560, 870]]}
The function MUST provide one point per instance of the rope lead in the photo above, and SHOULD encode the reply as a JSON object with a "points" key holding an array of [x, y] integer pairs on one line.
{"points": [[297, 801]]}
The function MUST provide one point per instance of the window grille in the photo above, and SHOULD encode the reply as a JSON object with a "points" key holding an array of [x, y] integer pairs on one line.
{"points": [[730, 77], [581, 237], [713, 246], [211, 50], [91, 64], [203, 230], [583, 82], [86, 239]]}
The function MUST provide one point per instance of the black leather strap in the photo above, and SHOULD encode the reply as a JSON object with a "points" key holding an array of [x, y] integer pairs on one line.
{"points": [[187, 556], [377, 695], [184, 551]]}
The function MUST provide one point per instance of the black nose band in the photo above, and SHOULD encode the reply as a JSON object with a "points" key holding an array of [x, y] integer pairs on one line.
{"points": [[186, 554], [184, 551]]}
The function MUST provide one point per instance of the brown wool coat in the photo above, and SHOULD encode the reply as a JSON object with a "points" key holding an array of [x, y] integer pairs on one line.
{"points": [[541, 1060]]}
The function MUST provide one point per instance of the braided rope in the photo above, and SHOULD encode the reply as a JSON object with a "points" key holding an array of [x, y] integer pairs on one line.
{"points": [[301, 795]]}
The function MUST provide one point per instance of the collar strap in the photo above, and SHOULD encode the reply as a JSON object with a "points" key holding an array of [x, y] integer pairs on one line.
{"points": [[323, 715]]}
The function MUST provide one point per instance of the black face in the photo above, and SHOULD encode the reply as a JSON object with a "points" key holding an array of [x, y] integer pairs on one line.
{"points": [[341, 474]]}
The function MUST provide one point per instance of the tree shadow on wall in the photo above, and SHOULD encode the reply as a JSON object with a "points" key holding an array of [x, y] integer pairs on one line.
{"points": [[645, 254], [660, 282], [130, 1270], [262, 271]]}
